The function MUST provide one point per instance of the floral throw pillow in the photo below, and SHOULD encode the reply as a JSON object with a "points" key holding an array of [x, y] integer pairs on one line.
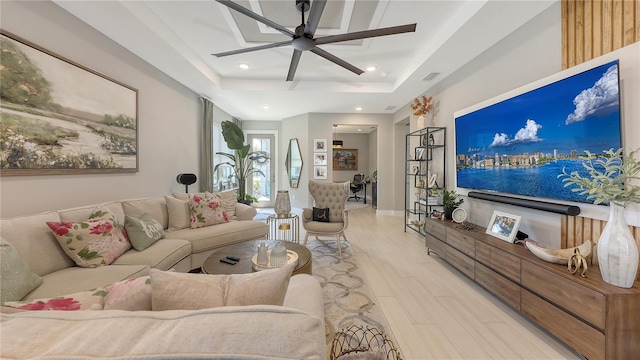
{"points": [[85, 300], [206, 210], [94, 242], [131, 294]]}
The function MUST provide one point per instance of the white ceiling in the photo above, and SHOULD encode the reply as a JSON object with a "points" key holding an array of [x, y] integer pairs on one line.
{"points": [[178, 37]]}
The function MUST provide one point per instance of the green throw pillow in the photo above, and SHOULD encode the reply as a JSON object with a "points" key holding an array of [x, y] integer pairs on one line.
{"points": [[143, 231], [16, 277]]}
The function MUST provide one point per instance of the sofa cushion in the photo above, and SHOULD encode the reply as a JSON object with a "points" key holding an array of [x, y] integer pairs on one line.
{"points": [[84, 300], [35, 242], [163, 254], [16, 277], [131, 295], [156, 207], [75, 279], [212, 237], [178, 210], [143, 231], [229, 199], [93, 242], [82, 213], [185, 291], [206, 210], [179, 291]]}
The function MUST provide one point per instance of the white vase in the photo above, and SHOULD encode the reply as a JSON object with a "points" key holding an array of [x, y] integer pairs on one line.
{"points": [[420, 122], [283, 204], [617, 250]]}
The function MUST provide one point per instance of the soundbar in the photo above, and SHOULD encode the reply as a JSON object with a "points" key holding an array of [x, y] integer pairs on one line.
{"points": [[532, 204]]}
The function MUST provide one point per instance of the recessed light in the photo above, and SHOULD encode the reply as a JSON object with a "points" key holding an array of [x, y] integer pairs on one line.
{"points": [[358, 108], [372, 68], [359, 130], [244, 66], [266, 107], [384, 74]]}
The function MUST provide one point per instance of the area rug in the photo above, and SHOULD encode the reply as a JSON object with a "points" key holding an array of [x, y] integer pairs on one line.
{"points": [[348, 298]]}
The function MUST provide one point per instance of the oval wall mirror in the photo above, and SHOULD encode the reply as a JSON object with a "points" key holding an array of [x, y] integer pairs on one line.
{"points": [[294, 163]]}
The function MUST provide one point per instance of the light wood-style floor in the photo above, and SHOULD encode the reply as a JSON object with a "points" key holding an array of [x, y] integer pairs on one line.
{"points": [[434, 311]]}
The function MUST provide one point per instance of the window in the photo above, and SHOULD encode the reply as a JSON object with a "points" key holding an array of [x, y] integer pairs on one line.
{"points": [[222, 179]]}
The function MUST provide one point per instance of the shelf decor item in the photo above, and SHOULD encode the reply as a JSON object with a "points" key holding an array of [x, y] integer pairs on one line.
{"points": [[421, 107], [283, 204], [278, 256], [608, 181]]}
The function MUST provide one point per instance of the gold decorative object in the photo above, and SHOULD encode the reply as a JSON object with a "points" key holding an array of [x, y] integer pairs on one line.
{"points": [[576, 262]]}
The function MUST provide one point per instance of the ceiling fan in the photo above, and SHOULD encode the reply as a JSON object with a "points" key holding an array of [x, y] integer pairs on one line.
{"points": [[303, 37]]}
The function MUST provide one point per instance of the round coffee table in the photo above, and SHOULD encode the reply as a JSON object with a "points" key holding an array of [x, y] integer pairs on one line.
{"points": [[245, 251]]}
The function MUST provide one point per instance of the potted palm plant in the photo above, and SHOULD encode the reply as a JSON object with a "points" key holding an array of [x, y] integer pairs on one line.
{"points": [[242, 161], [609, 182]]}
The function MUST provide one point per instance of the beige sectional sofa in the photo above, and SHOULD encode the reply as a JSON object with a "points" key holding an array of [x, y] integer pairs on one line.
{"points": [[295, 330], [181, 249]]}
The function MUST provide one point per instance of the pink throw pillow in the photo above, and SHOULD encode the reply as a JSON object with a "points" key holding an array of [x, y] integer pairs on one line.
{"points": [[206, 210]]}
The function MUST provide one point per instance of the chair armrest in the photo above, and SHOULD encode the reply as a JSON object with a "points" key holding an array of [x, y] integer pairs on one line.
{"points": [[245, 212], [307, 214]]}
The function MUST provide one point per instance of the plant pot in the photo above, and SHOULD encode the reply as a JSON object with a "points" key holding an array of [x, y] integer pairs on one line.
{"points": [[448, 212], [617, 250], [245, 201]]}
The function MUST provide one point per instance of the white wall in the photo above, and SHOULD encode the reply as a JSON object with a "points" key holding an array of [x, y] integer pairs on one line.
{"points": [[321, 127], [297, 127], [168, 117], [531, 53]]}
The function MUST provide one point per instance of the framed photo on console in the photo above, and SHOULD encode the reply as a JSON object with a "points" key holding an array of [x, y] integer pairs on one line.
{"points": [[504, 226]]}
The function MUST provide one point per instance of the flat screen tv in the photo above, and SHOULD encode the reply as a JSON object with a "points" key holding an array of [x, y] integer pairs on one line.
{"points": [[521, 144]]}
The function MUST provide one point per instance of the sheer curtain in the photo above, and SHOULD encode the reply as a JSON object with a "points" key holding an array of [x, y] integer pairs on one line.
{"points": [[206, 147]]}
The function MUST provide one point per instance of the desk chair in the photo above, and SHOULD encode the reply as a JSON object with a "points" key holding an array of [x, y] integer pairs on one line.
{"points": [[356, 185]]}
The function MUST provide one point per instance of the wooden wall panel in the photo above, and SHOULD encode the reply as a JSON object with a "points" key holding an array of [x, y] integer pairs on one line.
{"points": [[575, 230], [591, 28]]}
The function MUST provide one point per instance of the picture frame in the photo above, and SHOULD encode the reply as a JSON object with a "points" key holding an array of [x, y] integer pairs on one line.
{"points": [[320, 145], [88, 125], [319, 172], [345, 159], [320, 159], [504, 226]]}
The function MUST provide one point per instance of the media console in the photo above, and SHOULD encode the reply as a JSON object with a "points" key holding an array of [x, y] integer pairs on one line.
{"points": [[598, 320]]}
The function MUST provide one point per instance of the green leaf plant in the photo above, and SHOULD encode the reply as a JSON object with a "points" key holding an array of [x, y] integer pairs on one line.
{"points": [[450, 198], [610, 177], [242, 160]]}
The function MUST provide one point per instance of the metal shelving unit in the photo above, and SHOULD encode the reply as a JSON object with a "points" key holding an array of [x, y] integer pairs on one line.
{"points": [[425, 149]]}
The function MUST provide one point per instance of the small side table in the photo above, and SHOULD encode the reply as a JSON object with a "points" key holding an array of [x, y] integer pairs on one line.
{"points": [[274, 222]]}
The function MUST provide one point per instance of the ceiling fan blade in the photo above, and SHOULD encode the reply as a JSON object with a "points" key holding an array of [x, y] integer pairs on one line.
{"points": [[366, 34], [255, 48], [257, 17], [295, 59], [336, 60], [314, 16]]}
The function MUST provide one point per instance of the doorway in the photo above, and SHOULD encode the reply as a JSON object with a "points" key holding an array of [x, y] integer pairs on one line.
{"points": [[262, 186]]}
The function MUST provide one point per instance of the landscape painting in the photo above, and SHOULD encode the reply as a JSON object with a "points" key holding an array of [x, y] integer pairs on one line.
{"points": [[59, 117], [345, 159], [520, 145]]}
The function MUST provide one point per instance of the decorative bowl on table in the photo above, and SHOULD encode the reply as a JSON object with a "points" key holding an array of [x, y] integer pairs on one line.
{"points": [[292, 257]]}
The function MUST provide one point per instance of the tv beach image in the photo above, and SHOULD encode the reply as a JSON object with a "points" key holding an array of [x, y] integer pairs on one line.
{"points": [[520, 145]]}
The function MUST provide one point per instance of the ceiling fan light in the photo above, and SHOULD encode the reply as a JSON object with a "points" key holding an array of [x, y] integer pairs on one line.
{"points": [[371, 68], [244, 66]]}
